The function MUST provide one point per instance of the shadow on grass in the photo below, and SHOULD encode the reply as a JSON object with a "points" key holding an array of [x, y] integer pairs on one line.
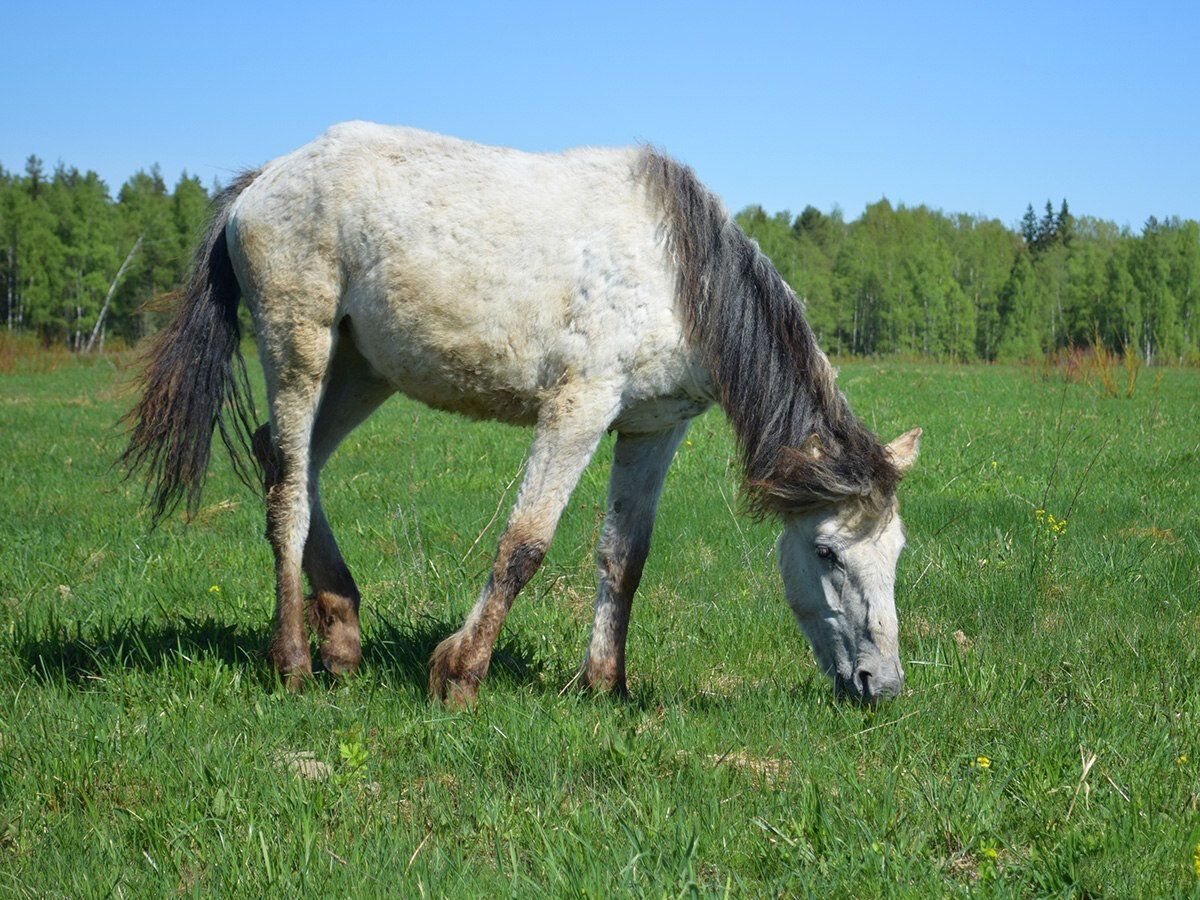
{"points": [[57, 651], [398, 652], [402, 650]]}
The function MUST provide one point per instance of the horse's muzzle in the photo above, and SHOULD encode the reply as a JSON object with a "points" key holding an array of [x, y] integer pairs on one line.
{"points": [[871, 682]]}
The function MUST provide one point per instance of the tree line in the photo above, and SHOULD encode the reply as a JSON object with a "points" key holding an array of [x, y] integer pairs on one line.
{"points": [[920, 282], [79, 266]]}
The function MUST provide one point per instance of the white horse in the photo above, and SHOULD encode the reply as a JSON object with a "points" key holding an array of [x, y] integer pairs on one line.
{"points": [[582, 292]]}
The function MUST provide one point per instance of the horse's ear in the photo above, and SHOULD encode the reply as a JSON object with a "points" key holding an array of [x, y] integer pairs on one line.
{"points": [[903, 450]]}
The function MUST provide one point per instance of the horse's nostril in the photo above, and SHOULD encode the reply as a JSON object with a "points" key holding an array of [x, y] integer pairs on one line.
{"points": [[864, 681]]}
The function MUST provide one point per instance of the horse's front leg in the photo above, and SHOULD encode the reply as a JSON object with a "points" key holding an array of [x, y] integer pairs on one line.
{"points": [[639, 468], [569, 428]]}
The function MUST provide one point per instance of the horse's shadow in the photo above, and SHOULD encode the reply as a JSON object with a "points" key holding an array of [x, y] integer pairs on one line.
{"points": [[402, 650], [397, 652]]}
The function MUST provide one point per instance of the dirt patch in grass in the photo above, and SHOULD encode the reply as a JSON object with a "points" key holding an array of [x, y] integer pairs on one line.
{"points": [[1166, 536]]}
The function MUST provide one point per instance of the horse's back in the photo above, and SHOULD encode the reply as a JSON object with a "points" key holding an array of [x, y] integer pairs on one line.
{"points": [[471, 277]]}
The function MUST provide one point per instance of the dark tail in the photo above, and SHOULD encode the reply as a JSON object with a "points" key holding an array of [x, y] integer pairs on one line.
{"points": [[195, 379]]}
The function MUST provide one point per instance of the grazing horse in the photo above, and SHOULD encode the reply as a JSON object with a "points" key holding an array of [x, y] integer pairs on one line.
{"points": [[589, 291]]}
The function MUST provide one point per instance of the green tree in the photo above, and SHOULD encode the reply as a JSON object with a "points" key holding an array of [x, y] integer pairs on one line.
{"points": [[1087, 281], [84, 225], [984, 251], [76, 262], [1120, 320], [1150, 265], [1019, 331], [799, 255], [1181, 246], [145, 211]]}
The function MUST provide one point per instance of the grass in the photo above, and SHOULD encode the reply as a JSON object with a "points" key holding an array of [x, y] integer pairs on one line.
{"points": [[1046, 742]]}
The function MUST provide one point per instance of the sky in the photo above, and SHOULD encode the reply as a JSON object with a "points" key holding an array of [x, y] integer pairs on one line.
{"points": [[978, 108]]}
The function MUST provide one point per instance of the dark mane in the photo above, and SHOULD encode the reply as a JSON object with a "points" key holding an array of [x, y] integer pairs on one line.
{"points": [[801, 446]]}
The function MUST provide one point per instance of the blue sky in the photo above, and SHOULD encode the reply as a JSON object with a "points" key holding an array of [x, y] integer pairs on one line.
{"points": [[978, 108]]}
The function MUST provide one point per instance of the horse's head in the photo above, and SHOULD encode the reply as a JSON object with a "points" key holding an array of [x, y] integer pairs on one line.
{"points": [[839, 574]]}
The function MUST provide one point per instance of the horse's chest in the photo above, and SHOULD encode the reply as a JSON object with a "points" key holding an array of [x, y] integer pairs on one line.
{"points": [[658, 414]]}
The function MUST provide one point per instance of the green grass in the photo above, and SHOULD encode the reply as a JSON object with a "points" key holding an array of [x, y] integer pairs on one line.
{"points": [[145, 748]]}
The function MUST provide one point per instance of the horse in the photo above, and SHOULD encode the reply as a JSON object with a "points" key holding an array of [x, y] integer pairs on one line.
{"points": [[581, 292]]}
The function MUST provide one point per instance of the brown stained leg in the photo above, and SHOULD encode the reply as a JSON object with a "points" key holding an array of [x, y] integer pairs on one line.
{"points": [[570, 425], [289, 512], [288, 651], [332, 607], [290, 308], [620, 574], [459, 663], [640, 465], [331, 610], [352, 392]]}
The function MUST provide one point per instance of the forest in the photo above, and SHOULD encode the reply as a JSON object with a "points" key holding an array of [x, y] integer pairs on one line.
{"points": [[80, 267], [917, 282]]}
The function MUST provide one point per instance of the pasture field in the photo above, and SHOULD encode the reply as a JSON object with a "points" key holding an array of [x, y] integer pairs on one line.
{"points": [[1047, 741]]}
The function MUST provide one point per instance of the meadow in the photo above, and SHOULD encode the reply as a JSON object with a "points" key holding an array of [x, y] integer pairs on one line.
{"points": [[1046, 742]]}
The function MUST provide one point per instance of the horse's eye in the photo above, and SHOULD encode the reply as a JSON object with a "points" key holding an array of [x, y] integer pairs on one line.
{"points": [[826, 553]]}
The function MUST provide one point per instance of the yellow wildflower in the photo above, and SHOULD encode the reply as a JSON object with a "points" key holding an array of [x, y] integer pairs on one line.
{"points": [[1196, 860], [981, 762], [1181, 759], [214, 589]]}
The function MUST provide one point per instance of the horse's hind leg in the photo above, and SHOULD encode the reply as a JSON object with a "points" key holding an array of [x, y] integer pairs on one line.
{"points": [[569, 427], [639, 467], [332, 607], [294, 361], [352, 392]]}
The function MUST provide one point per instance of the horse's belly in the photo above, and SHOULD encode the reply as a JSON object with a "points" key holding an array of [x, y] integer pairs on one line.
{"points": [[483, 379], [463, 395]]}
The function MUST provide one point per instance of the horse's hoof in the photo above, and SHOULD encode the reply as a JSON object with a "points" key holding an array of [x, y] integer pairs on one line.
{"points": [[450, 691], [600, 680], [294, 666], [340, 664], [457, 696], [296, 681], [454, 688]]}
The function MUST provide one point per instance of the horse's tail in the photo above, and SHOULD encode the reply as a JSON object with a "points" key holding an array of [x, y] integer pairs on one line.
{"points": [[195, 379]]}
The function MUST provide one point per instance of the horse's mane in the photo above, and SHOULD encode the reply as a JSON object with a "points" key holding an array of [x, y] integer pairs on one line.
{"points": [[801, 446]]}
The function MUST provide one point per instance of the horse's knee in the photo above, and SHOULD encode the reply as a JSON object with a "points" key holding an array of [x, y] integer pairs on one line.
{"points": [[620, 563]]}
